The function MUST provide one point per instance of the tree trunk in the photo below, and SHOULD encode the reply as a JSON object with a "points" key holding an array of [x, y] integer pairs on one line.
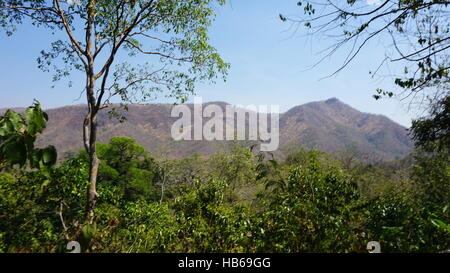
{"points": [[90, 139], [93, 170]]}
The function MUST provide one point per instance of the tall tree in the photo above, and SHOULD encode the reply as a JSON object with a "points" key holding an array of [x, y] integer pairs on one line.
{"points": [[432, 133], [172, 34], [414, 32]]}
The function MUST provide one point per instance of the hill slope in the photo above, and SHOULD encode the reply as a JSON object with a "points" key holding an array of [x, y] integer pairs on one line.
{"points": [[332, 126], [328, 125]]}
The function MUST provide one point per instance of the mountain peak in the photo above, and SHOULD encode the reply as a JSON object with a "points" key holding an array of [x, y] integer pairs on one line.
{"points": [[332, 101]]}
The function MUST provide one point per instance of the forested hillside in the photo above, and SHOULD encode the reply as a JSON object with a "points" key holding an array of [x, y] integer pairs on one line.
{"points": [[329, 126], [234, 201]]}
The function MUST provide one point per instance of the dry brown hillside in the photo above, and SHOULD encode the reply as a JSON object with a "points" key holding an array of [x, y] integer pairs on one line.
{"points": [[328, 125]]}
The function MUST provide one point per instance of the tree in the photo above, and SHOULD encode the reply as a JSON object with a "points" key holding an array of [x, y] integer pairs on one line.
{"points": [[433, 132], [171, 33], [417, 29], [432, 139], [315, 209], [238, 168], [207, 223], [431, 172], [126, 164]]}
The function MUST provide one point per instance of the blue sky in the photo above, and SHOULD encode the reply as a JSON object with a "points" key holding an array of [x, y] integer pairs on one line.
{"points": [[268, 62]]}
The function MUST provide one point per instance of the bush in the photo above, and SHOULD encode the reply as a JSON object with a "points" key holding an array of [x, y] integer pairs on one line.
{"points": [[315, 210]]}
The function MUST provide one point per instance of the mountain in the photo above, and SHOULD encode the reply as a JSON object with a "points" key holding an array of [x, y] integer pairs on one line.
{"points": [[332, 126], [329, 126]]}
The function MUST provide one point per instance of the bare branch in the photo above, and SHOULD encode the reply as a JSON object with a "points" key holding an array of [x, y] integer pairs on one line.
{"points": [[67, 27]]}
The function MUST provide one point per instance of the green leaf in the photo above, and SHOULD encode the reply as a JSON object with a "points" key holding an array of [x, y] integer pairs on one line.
{"points": [[440, 224], [49, 156], [14, 119], [15, 152], [5, 129], [36, 119]]}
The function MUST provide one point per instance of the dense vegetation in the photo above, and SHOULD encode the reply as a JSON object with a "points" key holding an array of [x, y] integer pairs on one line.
{"points": [[233, 201]]}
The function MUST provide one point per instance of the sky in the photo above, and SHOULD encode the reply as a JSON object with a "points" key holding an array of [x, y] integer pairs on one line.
{"points": [[269, 66]]}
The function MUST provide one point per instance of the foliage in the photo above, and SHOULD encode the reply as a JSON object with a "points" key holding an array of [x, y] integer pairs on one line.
{"points": [[127, 165], [402, 226], [172, 35], [433, 132], [139, 226], [32, 204], [416, 35], [237, 168], [170, 32], [306, 203], [208, 224], [17, 137], [315, 210]]}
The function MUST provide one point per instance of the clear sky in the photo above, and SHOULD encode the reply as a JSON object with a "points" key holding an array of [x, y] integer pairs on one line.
{"points": [[268, 62]]}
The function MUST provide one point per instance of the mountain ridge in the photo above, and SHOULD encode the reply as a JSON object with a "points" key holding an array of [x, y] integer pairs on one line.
{"points": [[329, 125]]}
